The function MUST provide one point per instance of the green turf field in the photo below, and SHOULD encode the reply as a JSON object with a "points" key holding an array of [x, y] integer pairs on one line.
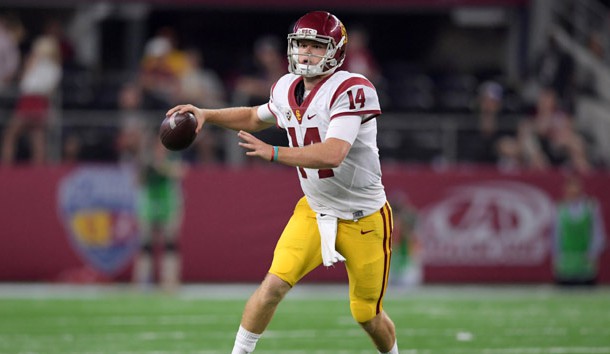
{"points": [[434, 320]]}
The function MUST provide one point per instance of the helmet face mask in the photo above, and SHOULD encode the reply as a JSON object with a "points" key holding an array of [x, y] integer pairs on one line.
{"points": [[324, 28]]}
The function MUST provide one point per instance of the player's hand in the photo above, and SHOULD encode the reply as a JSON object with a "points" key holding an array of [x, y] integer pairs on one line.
{"points": [[255, 146], [197, 112]]}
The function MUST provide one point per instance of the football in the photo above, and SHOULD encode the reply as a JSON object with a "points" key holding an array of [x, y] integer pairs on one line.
{"points": [[177, 131]]}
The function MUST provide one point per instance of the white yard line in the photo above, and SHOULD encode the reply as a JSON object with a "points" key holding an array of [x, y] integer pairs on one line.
{"points": [[525, 350], [232, 291]]}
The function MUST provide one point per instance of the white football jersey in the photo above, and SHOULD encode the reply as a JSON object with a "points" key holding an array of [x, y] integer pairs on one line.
{"points": [[353, 189]]}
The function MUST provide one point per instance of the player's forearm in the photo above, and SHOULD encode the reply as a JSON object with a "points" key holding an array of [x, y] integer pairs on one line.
{"points": [[237, 118], [329, 154]]}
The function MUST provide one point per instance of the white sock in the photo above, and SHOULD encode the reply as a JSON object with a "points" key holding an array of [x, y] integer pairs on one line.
{"points": [[394, 349], [245, 341]]}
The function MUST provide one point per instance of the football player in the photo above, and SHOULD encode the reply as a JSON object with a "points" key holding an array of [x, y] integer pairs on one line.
{"points": [[330, 119]]}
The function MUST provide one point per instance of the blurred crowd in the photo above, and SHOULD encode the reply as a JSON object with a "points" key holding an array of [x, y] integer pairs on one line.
{"points": [[508, 127], [36, 77]]}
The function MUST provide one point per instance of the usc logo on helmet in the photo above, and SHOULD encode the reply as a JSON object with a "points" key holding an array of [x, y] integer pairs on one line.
{"points": [[307, 32]]}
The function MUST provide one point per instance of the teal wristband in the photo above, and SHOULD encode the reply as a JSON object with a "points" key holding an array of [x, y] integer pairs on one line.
{"points": [[276, 153]]}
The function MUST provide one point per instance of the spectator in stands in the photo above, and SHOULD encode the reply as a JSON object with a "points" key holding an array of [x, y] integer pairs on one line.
{"points": [[360, 58], [202, 85], [199, 83], [549, 138], [71, 148], [133, 129], [489, 142], [159, 172], [161, 70], [11, 32], [55, 28], [41, 77], [579, 236], [269, 64], [553, 68]]}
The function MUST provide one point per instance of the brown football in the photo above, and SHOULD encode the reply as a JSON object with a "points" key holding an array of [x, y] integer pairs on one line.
{"points": [[177, 131]]}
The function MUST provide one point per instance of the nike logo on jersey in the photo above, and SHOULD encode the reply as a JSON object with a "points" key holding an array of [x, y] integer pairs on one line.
{"points": [[310, 116], [362, 232]]}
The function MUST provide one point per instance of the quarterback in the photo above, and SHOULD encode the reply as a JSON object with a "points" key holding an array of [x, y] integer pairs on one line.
{"points": [[330, 119]]}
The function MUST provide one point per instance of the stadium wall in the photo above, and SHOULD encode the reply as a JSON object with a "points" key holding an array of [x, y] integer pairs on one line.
{"points": [[474, 225]]}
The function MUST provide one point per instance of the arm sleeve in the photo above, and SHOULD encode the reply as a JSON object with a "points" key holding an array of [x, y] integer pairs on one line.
{"points": [[266, 114], [269, 112], [345, 128]]}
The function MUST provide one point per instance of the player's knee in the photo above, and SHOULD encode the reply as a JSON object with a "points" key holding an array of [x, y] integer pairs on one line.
{"points": [[363, 312], [371, 325], [380, 323], [271, 297], [273, 290]]}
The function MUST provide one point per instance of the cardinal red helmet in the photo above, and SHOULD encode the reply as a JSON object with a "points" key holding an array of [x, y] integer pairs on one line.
{"points": [[325, 28]]}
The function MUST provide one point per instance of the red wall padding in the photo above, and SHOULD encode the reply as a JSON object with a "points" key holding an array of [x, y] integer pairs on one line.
{"points": [[233, 218]]}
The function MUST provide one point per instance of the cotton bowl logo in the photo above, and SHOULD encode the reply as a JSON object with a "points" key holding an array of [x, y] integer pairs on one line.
{"points": [[98, 208], [491, 223]]}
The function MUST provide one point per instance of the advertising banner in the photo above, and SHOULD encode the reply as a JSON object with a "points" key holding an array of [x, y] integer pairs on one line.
{"points": [[462, 225]]}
